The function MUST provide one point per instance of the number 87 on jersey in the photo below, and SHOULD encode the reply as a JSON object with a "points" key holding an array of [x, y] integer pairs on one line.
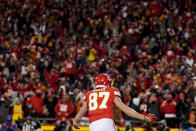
{"points": [[101, 103]]}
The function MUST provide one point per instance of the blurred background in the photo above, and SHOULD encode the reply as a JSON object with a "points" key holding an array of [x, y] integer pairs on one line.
{"points": [[51, 51]]}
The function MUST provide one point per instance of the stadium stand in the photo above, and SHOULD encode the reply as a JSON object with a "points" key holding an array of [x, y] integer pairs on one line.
{"points": [[49, 48]]}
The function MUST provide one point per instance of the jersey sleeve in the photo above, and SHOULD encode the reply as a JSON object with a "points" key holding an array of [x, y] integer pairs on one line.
{"points": [[117, 92]]}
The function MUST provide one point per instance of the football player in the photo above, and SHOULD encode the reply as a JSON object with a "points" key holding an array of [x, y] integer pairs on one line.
{"points": [[100, 104]]}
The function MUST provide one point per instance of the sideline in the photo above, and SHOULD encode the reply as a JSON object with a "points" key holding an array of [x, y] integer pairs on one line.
{"points": [[85, 128]]}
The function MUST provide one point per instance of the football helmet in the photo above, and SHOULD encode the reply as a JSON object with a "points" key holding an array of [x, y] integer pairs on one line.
{"points": [[103, 81]]}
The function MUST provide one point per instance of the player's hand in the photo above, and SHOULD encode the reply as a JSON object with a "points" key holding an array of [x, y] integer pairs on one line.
{"points": [[76, 124], [149, 118]]}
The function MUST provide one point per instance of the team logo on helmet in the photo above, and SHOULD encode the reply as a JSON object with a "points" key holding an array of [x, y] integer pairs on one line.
{"points": [[109, 78]]}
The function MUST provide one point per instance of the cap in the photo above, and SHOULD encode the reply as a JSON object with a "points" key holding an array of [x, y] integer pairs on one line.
{"points": [[28, 118]]}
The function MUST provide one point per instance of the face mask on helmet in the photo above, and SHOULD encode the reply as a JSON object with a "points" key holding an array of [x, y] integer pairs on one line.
{"points": [[103, 81]]}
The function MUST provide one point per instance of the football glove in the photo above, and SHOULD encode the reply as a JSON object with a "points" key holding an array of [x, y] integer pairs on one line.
{"points": [[75, 124], [149, 118]]}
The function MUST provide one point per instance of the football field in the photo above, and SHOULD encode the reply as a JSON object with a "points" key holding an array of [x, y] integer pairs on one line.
{"points": [[85, 128]]}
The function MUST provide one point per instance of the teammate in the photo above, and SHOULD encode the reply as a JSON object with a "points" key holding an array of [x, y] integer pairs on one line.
{"points": [[100, 103]]}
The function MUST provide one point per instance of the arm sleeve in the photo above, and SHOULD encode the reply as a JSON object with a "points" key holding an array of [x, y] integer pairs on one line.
{"points": [[117, 92]]}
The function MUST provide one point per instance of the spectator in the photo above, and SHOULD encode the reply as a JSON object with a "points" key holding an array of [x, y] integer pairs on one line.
{"points": [[52, 78], [50, 101], [37, 102], [29, 125], [169, 108], [64, 108], [70, 66], [186, 125], [192, 114], [8, 125], [4, 109], [91, 56], [153, 105], [182, 108], [127, 98], [143, 104], [17, 111]]}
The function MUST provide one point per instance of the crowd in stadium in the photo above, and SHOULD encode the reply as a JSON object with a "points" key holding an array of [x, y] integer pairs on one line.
{"points": [[52, 50]]}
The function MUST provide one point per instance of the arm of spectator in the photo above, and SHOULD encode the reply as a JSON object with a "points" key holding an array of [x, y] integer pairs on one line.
{"points": [[2, 81], [163, 104], [176, 99], [174, 102], [14, 84], [58, 75], [160, 99], [56, 98], [16, 80], [14, 127], [28, 87], [46, 74], [63, 55], [29, 100]]}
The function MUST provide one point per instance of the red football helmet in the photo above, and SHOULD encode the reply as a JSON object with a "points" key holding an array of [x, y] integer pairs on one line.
{"points": [[103, 81]]}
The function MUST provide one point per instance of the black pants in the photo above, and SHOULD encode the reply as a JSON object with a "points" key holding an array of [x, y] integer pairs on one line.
{"points": [[171, 122]]}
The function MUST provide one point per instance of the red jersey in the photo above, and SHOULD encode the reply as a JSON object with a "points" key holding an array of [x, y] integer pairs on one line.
{"points": [[101, 103], [37, 103], [65, 109]]}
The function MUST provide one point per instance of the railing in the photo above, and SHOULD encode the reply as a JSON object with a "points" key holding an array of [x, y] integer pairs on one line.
{"points": [[85, 121]]}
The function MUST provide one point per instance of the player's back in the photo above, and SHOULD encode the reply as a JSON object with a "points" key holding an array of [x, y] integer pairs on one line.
{"points": [[101, 103]]}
